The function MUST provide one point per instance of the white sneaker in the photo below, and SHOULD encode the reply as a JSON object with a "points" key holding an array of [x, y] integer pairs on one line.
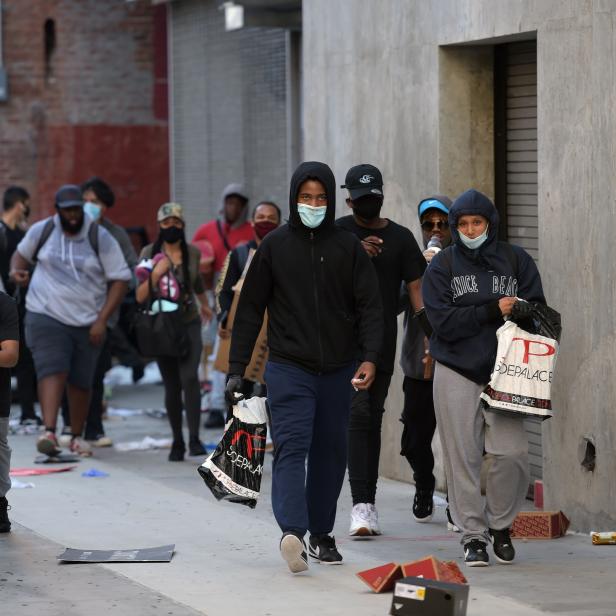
{"points": [[80, 447], [360, 521], [373, 519]]}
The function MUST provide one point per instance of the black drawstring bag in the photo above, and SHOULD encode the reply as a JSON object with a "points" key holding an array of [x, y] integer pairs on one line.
{"points": [[160, 334]]}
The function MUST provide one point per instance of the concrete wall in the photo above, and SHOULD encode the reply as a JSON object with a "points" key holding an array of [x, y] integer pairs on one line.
{"points": [[229, 104], [408, 86]]}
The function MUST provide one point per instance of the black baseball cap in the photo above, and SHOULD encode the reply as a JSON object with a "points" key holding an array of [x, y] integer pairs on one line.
{"points": [[69, 195], [363, 180]]}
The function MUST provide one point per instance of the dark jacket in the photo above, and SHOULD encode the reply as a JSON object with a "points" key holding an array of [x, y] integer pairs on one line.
{"points": [[231, 272], [461, 289], [319, 288], [413, 348]]}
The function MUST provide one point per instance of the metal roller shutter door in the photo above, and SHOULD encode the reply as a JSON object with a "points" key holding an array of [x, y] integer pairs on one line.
{"points": [[521, 182]]}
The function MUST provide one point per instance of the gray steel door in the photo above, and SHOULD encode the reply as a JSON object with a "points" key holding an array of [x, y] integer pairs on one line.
{"points": [[521, 179]]}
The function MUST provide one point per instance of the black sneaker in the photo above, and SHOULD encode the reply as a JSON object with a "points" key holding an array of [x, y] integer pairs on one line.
{"points": [[196, 448], [503, 548], [293, 550], [178, 449], [5, 523], [423, 505], [323, 549], [215, 419], [476, 553]]}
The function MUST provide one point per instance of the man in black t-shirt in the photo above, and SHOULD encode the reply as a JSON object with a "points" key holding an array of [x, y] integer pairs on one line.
{"points": [[397, 259], [9, 353], [15, 212]]}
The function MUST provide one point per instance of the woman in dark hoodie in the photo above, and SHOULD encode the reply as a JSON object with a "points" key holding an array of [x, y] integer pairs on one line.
{"points": [[468, 290]]}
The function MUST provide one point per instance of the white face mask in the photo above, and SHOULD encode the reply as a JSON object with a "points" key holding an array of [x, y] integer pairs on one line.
{"points": [[92, 210], [311, 216], [475, 242]]}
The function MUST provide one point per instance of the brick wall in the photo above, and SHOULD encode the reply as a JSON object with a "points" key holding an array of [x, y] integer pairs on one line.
{"points": [[229, 111], [96, 106]]}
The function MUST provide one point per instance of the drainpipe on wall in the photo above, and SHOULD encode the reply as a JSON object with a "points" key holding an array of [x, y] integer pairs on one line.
{"points": [[4, 93]]}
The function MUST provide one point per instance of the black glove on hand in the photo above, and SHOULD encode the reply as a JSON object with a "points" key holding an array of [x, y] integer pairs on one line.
{"points": [[233, 390]]}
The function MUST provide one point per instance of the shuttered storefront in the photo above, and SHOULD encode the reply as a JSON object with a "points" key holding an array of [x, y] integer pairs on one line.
{"points": [[516, 154]]}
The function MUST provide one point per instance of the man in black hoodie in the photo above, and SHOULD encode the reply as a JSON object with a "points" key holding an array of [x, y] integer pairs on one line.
{"points": [[322, 298]]}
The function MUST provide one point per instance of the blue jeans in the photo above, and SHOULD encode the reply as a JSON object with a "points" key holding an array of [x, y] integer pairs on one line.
{"points": [[310, 417]]}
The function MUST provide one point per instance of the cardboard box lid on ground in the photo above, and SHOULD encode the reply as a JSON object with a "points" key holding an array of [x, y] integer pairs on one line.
{"points": [[382, 578], [540, 525], [432, 568], [415, 596]]}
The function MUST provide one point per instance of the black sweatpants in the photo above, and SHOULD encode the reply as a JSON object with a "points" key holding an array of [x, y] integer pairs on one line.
{"points": [[94, 422], [181, 375], [367, 408], [419, 426]]}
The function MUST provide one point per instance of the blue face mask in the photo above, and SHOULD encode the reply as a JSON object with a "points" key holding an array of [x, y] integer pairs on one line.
{"points": [[92, 210], [476, 242], [311, 216]]}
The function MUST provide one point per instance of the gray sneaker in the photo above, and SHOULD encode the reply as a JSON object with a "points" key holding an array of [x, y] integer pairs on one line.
{"points": [[293, 550]]}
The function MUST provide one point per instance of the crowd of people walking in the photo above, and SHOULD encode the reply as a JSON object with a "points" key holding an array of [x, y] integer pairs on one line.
{"points": [[331, 291]]}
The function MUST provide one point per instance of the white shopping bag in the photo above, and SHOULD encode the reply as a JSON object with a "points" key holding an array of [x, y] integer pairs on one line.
{"points": [[521, 382]]}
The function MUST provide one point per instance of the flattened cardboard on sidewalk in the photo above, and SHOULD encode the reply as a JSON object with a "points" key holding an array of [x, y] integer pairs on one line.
{"points": [[382, 578], [416, 596], [432, 568], [160, 554], [540, 525]]}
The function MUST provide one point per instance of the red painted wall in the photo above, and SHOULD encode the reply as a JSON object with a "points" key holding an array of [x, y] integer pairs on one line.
{"points": [[98, 106]]}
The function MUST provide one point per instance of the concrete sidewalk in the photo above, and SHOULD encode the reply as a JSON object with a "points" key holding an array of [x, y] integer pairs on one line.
{"points": [[226, 559]]}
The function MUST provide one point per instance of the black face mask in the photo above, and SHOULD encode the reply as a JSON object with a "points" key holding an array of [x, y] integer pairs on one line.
{"points": [[368, 207], [171, 235], [71, 227]]}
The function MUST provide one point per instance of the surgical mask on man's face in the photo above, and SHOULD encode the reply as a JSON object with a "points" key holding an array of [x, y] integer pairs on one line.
{"points": [[311, 216], [92, 210], [475, 242]]}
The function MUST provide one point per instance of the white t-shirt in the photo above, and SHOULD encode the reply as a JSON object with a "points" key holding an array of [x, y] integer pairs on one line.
{"points": [[70, 281]]}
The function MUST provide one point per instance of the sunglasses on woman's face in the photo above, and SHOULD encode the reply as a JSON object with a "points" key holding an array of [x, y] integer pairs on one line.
{"points": [[428, 225]]}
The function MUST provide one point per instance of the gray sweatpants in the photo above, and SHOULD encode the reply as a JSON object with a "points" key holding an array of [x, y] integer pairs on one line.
{"points": [[5, 457], [465, 431]]}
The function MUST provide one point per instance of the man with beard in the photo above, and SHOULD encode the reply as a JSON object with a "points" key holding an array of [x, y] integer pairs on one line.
{"points": [[396, 259], [79, 280], [322, 301]]}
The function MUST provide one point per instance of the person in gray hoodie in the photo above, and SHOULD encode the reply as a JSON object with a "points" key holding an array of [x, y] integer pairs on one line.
{"points": [[418, 413]]}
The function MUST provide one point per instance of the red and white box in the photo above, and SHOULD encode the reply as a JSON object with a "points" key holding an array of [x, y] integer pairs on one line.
{"points": [[540, 525], [432, 568], [383, 578]]}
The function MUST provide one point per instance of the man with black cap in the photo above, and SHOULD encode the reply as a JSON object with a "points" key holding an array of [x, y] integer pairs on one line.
{"points": [[396, 259], [79, 280], [322, 298]]}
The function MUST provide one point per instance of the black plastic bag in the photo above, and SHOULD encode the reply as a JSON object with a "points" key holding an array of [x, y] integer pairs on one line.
{"points": [[537, 318], [233, 471]]}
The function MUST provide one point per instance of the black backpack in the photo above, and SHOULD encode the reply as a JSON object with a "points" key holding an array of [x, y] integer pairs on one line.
{"points": [[48, 230]]}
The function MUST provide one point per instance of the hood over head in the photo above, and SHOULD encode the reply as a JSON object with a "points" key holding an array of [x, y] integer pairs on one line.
{"points": [[313, 170], [473, 202], [234, 189]]}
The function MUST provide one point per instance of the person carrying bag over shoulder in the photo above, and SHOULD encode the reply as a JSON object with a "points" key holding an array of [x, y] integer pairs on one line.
{"points": [[170, 322]]}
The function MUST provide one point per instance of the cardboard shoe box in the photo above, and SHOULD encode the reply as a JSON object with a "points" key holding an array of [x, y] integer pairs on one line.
{"points": [[415, 596], [434, 569], [539, 525]]}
